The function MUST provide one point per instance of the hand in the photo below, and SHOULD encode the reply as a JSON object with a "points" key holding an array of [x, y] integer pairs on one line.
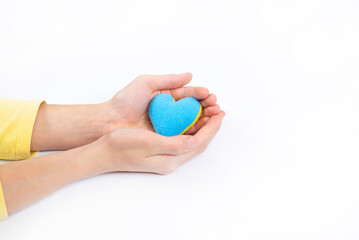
{"points": [[128, 108], [129, 149], [59, 127], [139, 150]]}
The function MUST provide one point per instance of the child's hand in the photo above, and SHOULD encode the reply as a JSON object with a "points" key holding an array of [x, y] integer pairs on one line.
{"points": [[128, 108], [139, 150]]}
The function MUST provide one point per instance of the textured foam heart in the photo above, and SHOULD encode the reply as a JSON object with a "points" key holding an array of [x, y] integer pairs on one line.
{"points": [[170, 117]]}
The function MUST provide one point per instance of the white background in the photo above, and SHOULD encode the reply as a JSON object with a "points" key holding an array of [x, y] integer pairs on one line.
{"points": [[285, 164]]}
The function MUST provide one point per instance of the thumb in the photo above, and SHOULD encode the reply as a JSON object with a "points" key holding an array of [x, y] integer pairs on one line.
{"points": [[173, 145], [169, 81]]}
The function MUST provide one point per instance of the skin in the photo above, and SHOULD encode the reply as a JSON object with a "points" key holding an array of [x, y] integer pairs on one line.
{"points": [[113, 136]]}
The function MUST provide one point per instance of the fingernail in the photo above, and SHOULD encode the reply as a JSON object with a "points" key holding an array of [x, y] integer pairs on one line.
{"points": [[190, 143]]}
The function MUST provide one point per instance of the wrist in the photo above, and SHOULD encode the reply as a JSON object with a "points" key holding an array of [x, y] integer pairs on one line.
{"points": [[110, 118], [93, 158], [102, 120]]}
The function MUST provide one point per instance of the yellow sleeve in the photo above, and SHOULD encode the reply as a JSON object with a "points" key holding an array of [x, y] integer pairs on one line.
{"points": [[3, 211], [17, 119]]}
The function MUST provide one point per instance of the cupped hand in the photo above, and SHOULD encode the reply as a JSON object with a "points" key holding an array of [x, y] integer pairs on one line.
{"points": [[128, 108], [140, 150]]}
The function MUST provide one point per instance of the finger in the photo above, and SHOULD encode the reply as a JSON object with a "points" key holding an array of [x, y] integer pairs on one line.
{"points": [[209, 101], [161, 145], [209, 130], [203, 138], [169, 81], [197, 92], [199, 124], [166, 91], [210, 111]]}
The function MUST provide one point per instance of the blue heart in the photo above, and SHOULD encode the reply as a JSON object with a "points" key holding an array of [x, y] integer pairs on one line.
{"points": [[170, 117]]}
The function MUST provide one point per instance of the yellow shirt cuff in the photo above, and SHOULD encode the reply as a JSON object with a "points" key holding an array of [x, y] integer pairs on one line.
{"points": [[17, 119]]}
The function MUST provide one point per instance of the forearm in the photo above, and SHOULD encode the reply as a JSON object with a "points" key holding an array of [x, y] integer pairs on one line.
{"points": [[26, 182], [59, 127]]}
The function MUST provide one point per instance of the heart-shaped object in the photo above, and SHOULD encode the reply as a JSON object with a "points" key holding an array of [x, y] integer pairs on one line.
{"points": [[170, 117]]}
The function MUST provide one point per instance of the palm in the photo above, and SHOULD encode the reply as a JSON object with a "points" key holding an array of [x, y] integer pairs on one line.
{"points": [[132, 105]]}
